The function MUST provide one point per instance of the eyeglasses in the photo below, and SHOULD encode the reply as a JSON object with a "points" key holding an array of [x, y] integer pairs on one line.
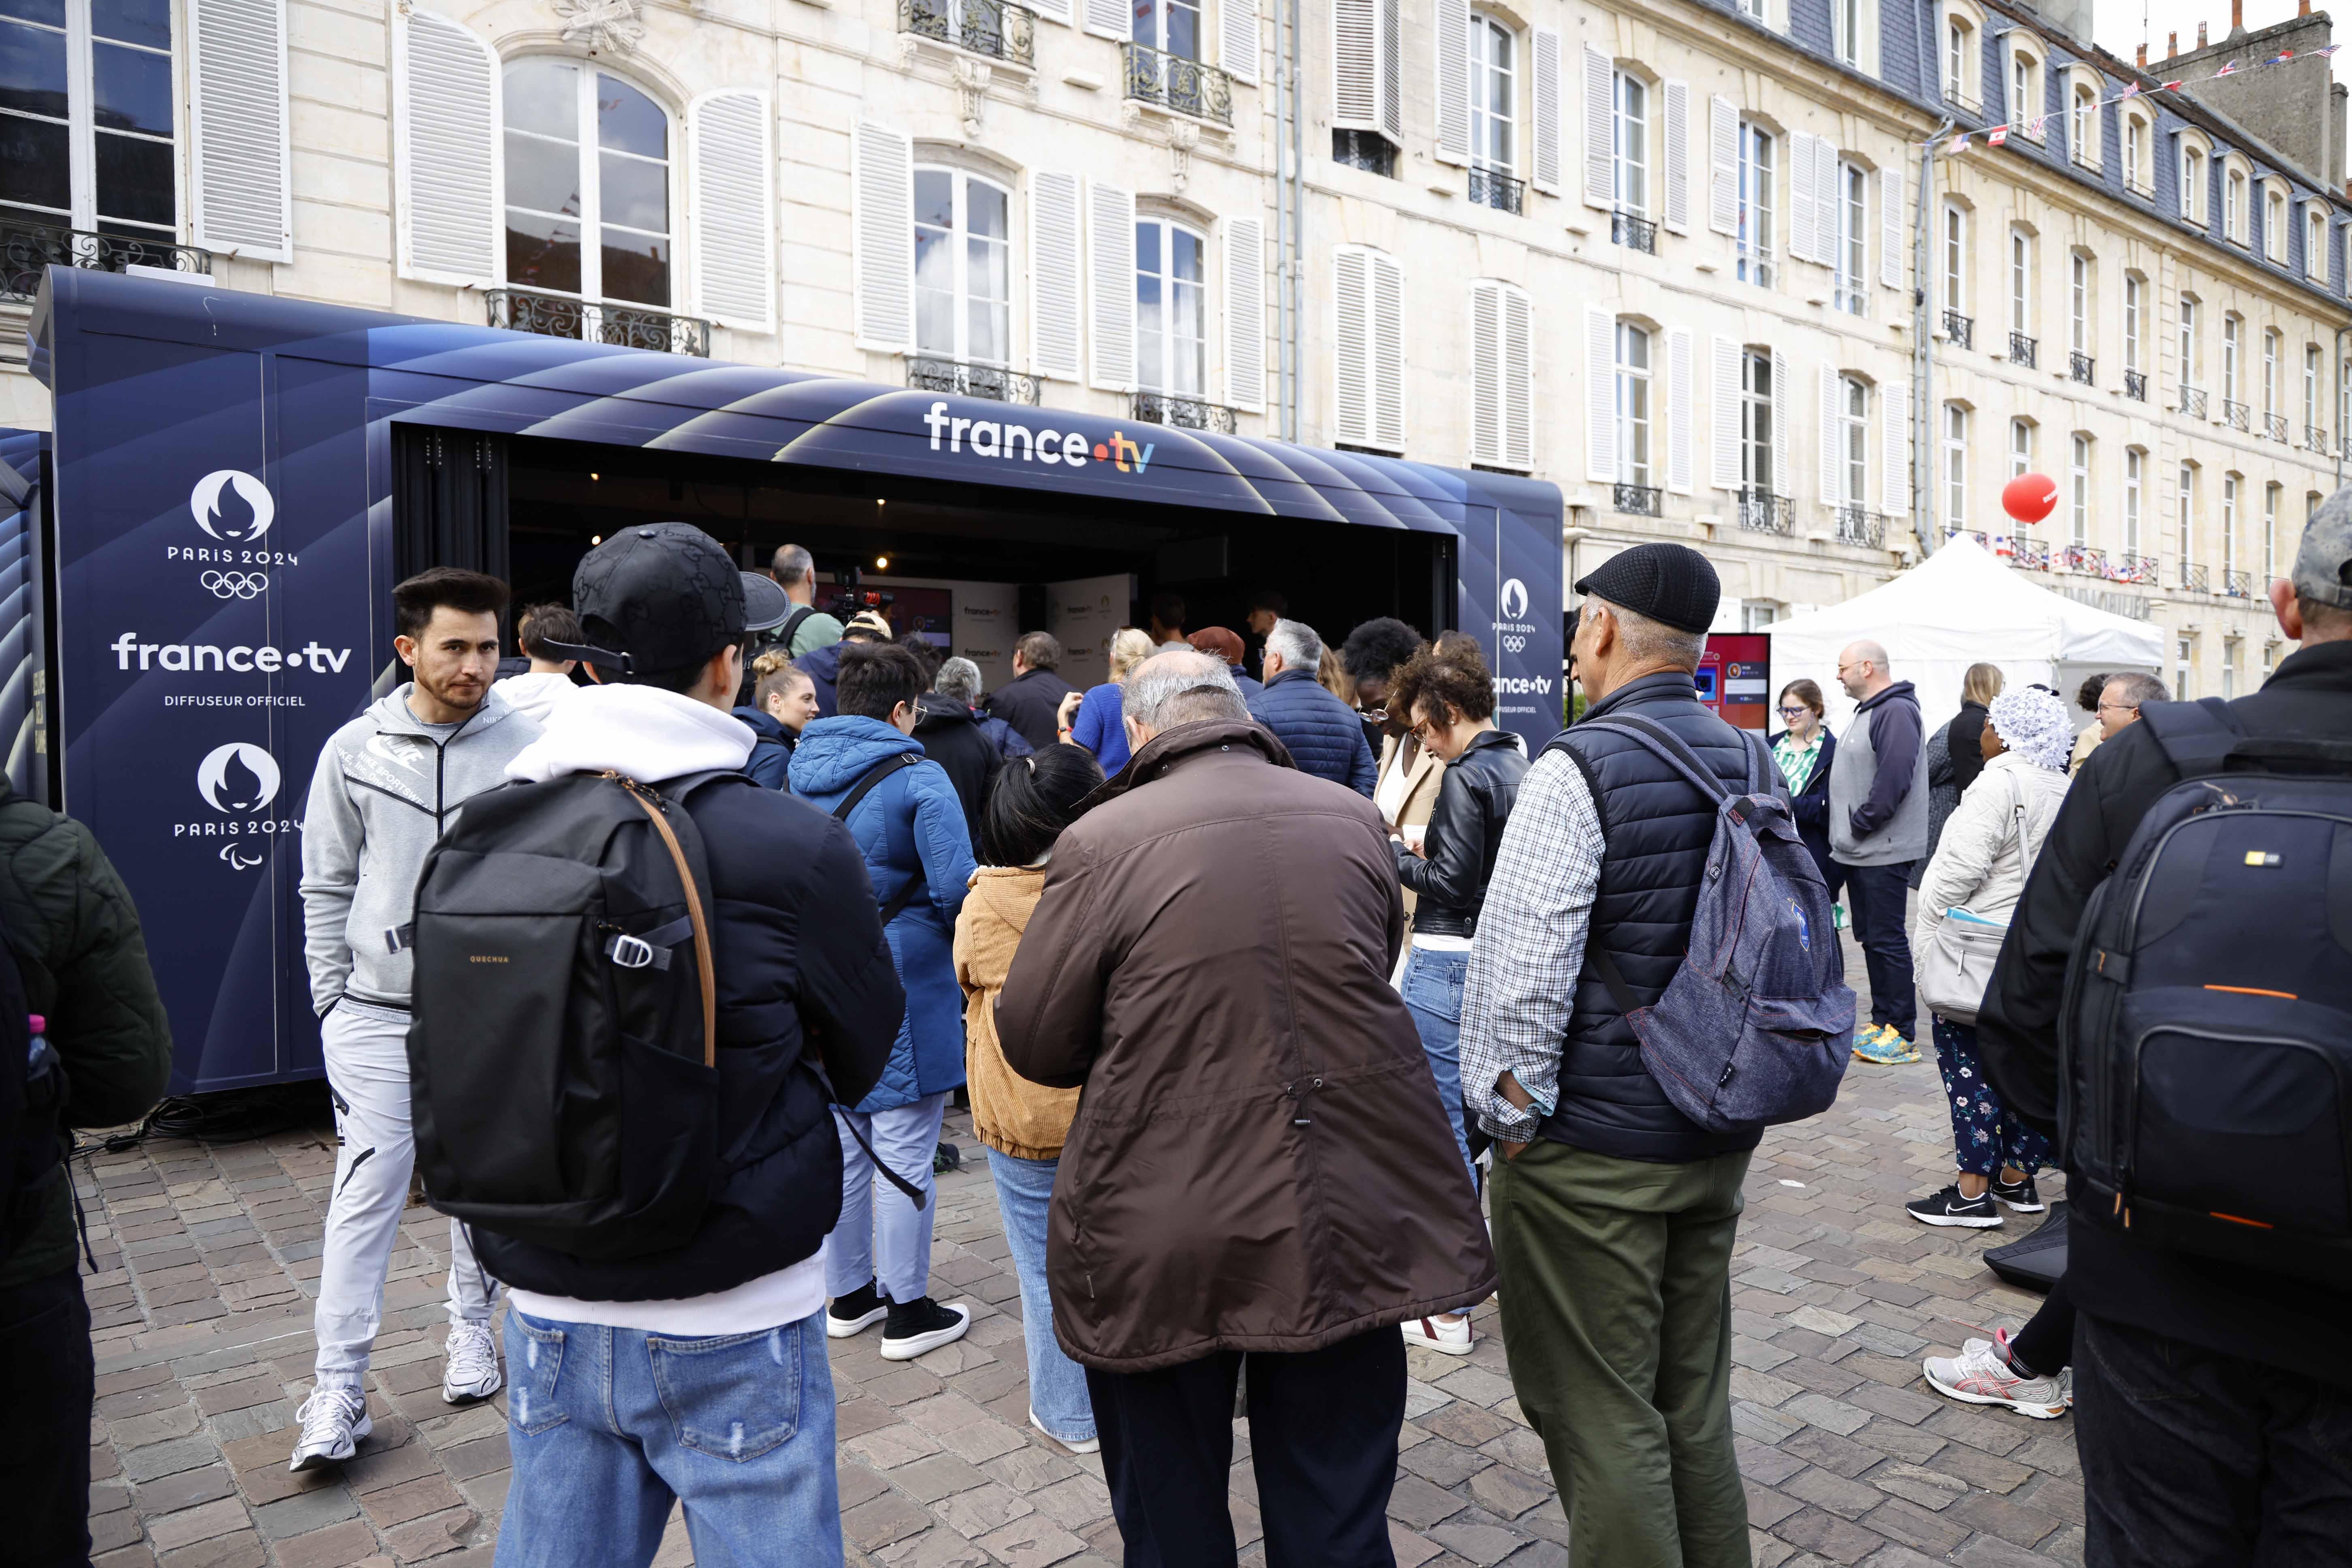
{"points": [[2120, 706], [1799, 712]]}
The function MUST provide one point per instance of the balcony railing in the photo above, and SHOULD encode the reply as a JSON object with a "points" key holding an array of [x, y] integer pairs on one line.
{"points": [[1850, 296], [1366, 150], [1755, 266], [2275, 426], [2083, 558], [1492, 188], [2128, 566], [1637, 500], [2193, 402], [1978, 534], [1183, 413], [2136, 386], [2023, 350], [2081, 367], [2237, 585], [1961, 330], [996, 28], [2316, 437], [2344, 442], [1173, 82], [1856, 526], [2194, 578], [995, 383], [2031, 554], [2236, 416], [624, 326], [1634, 232], [1761, 511], [25, 248]]}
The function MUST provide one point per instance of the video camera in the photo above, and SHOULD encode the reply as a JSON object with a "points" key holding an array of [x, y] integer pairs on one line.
{"points": [[849, 598]]}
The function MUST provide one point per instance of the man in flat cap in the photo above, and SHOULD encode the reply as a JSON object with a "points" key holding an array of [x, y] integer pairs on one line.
{"points": [[1614, 1213]]}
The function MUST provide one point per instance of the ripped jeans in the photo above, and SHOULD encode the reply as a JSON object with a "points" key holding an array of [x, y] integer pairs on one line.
{"points": [[606, 1426]]}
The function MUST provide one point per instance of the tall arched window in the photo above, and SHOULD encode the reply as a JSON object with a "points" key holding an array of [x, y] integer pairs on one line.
{"points": [[1171, 309], [1493, 94], [2134, 467], [1633, 405], [963, 275], [587, 166]]}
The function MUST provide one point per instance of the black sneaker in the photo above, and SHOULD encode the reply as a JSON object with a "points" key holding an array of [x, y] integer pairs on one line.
{"points": [[856, 1312], [923, 1325], [1947, 1208], [2020, 1196]]}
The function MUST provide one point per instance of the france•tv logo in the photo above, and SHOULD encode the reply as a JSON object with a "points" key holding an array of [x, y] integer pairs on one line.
{"points": [[1009, 441]]}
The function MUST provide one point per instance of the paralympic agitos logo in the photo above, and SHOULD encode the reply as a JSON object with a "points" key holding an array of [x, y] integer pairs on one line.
{"points": [[1012, 442]]}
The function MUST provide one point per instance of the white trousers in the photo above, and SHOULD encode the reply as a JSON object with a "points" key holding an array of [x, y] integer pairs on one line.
{"points": [[367, 1072]]}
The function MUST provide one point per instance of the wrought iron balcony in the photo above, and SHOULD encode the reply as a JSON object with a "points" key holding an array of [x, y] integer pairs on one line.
{"points": [[2136, 386], [1856, 526], [2031, 554], [1491, 188], [2083, 558], [2236, 416], [2081, 367], [622, 325], [1366, 150], [2194, 579], [1961, 330], [997, 28], [1183, 413], [1761, 511], [1978, 534], [1634, 232], [2193, 402], [1173, 82], [2127, 566], [2023, 350], [2345, 442], [26, 248], [2316, 437], [995, 383], [1637, 500], [2237, 585], [2275, 426]]}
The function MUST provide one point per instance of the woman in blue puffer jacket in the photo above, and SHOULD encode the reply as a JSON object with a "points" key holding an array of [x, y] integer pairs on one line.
{"points": [[910, 827]]}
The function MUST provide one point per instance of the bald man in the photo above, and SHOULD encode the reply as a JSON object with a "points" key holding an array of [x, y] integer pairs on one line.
{"points": [[1878, 826]]}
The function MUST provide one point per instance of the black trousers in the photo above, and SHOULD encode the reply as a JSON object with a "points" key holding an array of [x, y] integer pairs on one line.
{"points": [[1877, 894], [48, 1381], [1323, 1440], [2192, 1456], [2046, 1343]]}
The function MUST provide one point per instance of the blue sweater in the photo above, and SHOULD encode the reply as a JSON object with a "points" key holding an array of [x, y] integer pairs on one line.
{"points": [[1100, 729], [1324, 736]]}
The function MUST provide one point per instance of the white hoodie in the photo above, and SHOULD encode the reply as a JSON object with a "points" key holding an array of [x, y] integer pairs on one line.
{"points": [[536, 693]]}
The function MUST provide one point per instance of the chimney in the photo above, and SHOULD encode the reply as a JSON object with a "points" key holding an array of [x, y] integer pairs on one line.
{"points": [[2201, 35], [2238, 17], [2143, 54], [2303, 7], [2171, 45]]}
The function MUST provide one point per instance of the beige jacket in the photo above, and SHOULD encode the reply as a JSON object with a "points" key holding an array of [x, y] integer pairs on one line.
{"points": [[1423, 775], [1988, 846], [1012, 1115]]}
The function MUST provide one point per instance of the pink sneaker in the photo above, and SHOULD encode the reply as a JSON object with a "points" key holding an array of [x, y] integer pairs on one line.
{"points": [[1980, 1375]]}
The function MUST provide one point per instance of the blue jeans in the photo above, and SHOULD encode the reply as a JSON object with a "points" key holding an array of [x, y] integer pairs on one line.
{"points": [[606, 1426], [1433, 995], [1057, 1385], [882, 1227]]}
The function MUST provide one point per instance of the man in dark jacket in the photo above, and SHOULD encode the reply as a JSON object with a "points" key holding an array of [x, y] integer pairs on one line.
{"points": [[1614, 1213], [1324, 735], [2216, 1402], [679, 1372], [74, 935], [1260, 1163], [1878, 826], [970, 745], [1031, 702]]}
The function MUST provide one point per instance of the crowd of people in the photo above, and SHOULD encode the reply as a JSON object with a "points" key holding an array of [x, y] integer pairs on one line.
{"points": [[1237, 972]]}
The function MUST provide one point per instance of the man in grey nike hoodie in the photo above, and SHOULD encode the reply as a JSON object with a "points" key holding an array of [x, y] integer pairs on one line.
{"points": [[386, 786]]}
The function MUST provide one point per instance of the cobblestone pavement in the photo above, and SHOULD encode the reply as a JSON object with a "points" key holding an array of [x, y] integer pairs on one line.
{"points": [[201, 1317]]}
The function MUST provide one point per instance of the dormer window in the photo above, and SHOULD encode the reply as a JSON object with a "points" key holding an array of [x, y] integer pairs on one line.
{"points": [[2083, 131], [2193, 176], [2024, 88], [1960, 59], [2274, 223], [2139, 166], [2315, 240], [2234, 206]]}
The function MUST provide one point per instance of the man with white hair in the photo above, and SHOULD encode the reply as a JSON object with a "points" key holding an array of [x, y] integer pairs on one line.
{"points": [[1324, 735], [1878, 827]]}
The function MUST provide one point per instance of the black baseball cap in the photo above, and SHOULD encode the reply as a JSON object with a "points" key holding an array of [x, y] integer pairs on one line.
{"points": [[652, 599], [1672, 583]]}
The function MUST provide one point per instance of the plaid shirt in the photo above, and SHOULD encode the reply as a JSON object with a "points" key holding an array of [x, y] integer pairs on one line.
{"points": [[1529, 950]]}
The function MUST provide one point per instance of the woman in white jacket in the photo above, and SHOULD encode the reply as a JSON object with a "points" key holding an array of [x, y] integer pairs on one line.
{"points": [[1978, 872]]}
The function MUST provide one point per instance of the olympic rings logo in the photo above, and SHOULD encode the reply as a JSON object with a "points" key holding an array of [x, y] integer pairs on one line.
{"points": [[234, 585], [1515, 644]]}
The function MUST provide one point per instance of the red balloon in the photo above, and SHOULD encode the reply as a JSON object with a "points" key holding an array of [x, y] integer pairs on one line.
{"points": [[2029, 498]]}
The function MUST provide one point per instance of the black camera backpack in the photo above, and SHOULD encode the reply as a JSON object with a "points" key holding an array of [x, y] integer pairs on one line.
{"points": [[2205, 1038]]}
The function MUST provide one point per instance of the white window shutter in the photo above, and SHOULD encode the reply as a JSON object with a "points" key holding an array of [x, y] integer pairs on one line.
{"points": [[1677, 117], [446, 136], [1237, 38], [1485, 372], [1107, 19], [1784, 403], [732, 209], [1245, 313], [1803, 244], [1110, 284], [1452, 81], [1827, 196], [1056, 267], [1725, 467], [238, 128], [1890, 227], [1681, 412], [1832, 469], [1351, 345], [1355, 63], [1895, 447], [1600, 131], [1519, 379], [1388, 350], [1723, 166], [1546, 111], [1052, 10], [1600, 395], [882, 228], [1392, 70]]}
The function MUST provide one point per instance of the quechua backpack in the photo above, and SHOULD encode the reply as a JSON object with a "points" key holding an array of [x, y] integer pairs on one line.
{"points": [[562, 1054], [2205, 1034], [1753, 1028]]}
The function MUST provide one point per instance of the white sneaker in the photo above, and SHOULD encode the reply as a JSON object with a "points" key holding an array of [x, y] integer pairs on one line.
{"points": [[1978, 1375], [333, 1421], [2066, 1387], [471, 1369], [1446, 1338], [1083, 1446]]}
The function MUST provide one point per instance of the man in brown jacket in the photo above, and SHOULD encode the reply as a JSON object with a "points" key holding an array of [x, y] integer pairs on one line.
{"points": [[1259, 1163]]}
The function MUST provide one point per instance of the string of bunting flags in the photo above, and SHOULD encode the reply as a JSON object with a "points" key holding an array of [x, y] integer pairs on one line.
{"points": [[1996, 135]]}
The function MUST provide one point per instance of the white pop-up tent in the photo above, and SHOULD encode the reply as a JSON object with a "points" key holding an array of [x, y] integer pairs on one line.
{"points": [[1960, 606]]}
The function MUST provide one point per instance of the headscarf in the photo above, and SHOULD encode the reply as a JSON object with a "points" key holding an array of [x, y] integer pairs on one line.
{"points": [[2032, 722]]}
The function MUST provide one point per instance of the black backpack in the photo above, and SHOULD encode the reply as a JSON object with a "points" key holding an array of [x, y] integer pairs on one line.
{"points": [[563, 1056], [2205, 1036]]}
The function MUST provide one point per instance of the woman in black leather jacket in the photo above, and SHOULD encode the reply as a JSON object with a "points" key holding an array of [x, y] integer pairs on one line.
{"points": [[1448, 699]]}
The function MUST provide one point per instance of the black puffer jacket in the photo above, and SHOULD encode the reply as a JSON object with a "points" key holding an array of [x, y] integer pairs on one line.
{"points": [[1465, 829], [1657, 826], [970, 746]]}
